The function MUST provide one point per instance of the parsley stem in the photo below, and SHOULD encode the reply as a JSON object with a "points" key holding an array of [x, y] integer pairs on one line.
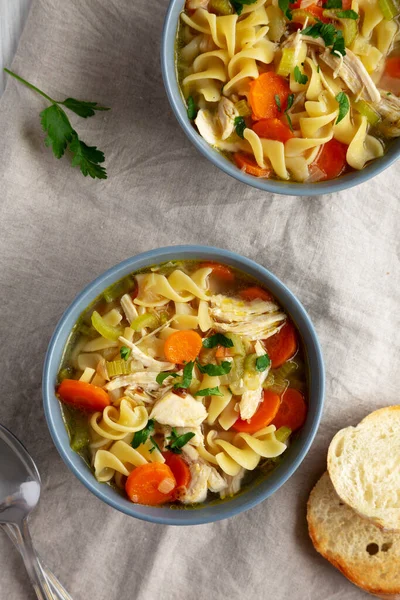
{"points": [[33, 87]]}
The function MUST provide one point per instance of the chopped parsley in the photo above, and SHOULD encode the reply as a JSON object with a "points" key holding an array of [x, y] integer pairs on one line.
{"points": [[290, 101], [284, 6], [347, 14], [161, 377], [333, 4], [215, 370], [141, 436], [299, 76], [214, 391], [218, 339], [155, 445], [187, 376], [331, 36], [240, 126], [176, 442], [191, 109], [262, 363], [124, 352], [278, 102], [344, 106], [238, 4]]}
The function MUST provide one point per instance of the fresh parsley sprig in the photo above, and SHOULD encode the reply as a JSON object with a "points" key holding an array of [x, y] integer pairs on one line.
{"points": [[300, 77], [215, 370], [124, 352], [290, 101], [331, 36], [344, 106], [262, 363], [213, 391], [187, 376], [141, 436], [240, 126], [161, 377], [284, 6], [176, 442], [238, 4], [218, 339], [61, 136]]}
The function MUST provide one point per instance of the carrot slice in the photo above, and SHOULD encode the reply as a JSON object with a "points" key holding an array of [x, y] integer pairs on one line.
{"points": [[392, 66], [282, 346], [292, 411], [273, 129], [182, 346], [85, 396], [255, 293], [332, 159], [246, 163], [222, 271], [180, 470], [263, 93], [264, 416], [145, 482]]}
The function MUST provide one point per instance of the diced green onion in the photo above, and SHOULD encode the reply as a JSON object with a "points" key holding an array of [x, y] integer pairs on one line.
{"points": [[282, 434], [286, 64], [368, 111], [238, 346], [106, 331], [243, 108], [118, 367], [118, 289], [220, 7], [388, 9], [143, 321]]}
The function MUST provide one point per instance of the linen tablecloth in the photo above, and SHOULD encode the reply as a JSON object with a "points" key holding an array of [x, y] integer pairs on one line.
{"points": [[338, 253]]}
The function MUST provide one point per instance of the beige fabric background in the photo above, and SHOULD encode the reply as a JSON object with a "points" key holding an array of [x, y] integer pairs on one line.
{"points": [[338, 253]]}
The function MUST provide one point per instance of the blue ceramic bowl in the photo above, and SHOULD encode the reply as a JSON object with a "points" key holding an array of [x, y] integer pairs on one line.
{"points": [[269, 185], [253, 495]]}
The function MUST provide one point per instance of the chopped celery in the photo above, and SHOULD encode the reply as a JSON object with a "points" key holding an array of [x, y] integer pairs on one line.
{"points": [[279, 385], [388, 9], [87, 331], [107, 331], [286, 369], [238, 347], [297, 384], [163, 318], [277, 23], [66, 373], [236, 376], [299, 15], [349, 27], [220, 7], [269, 381], [282, 434], [143, 321], [250, 363], [118, 289], [243, 108], [286, 64], [79, 432], [368, 111], [118, 367]]}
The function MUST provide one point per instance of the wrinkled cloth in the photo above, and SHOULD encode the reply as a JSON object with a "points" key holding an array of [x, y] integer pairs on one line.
{"points": [[339, 254]]}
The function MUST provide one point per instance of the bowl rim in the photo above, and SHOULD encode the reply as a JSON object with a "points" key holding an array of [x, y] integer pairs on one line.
{"points": [[167, 54], [58, 431]]}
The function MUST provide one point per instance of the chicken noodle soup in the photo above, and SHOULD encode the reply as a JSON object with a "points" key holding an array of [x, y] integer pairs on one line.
{"points": [[183, 382], [303, 91]]}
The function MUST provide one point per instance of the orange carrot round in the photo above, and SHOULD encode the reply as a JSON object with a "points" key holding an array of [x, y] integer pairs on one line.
{"points": [[392, 66], [182, 346], [246, 163], [264, 415], [273, 129], [255, 293], [180, 470], [332, 159], [146, 483], [292, 411], [222, 271], [263, 93], [282, 346], [85, 396]]}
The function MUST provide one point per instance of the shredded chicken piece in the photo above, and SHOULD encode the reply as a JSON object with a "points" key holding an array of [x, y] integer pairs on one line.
{"points": [[147, 361], [389, 109], [197, 440], [234, 484], [216, 483], [226, 115], [251, 399], [198, 487], [144, 379], [209, 129], [175, 411]]}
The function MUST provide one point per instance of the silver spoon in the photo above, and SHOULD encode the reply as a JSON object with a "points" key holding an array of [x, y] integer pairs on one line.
{"points": [[19, 494]]}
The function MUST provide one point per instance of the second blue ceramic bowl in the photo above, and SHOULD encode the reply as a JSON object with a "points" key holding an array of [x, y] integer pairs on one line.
{"points": [[208, 512], [168, 66]]}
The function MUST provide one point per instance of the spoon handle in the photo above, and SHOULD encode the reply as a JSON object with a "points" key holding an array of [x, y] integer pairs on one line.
{"points": [[45, 584]]}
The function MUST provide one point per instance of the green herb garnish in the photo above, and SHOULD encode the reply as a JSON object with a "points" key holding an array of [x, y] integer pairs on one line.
{"points": [[215, 370], [284, 6], [262, 363], [344, 106], [178, 441], [191, 109], [238, 4], [240, 126], [61, 136], [214, 391], [218, 339], [186, 380], [278, 102], [333, 4], [299, 76], [155, 445], [331, 36], [124, 352], [339, 45], [161, 377], [141, 436], [347, 14], [290, 101]]}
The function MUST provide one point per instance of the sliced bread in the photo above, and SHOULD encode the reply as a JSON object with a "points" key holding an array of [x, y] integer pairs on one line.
{"points": [[365, 554], [364, 466]]}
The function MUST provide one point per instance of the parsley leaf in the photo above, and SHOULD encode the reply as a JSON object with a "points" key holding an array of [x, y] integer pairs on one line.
{"points": [[214, 391], [344, 106], [82, 108], [218, 339], [278, 102], [333, 4], [61, 135], [331, 36], [240, 126], [238, 4], [290, 101], [284, 6], [299, 76], [155, 445], [191, 109], [161, 377], [186, 377], [215, 370], [339, 45], [178, 441], [124, 352], [262, 363], [141, 436], [347, 14], [88, 158]]}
